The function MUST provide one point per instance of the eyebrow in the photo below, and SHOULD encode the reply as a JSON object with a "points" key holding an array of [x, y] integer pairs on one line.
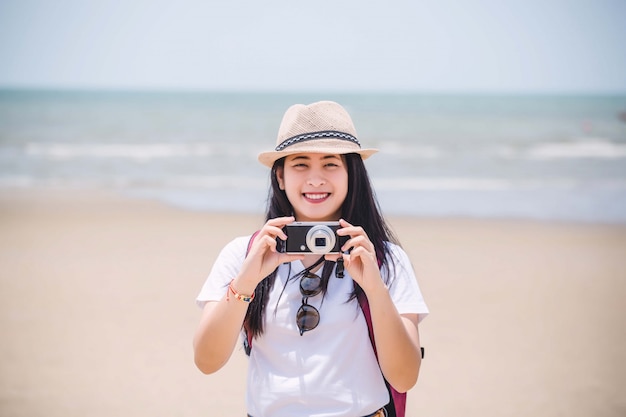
{"points": [[306, 157]]}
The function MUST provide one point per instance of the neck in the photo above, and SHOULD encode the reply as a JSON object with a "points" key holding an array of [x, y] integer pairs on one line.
{"points": [[313, 261]]}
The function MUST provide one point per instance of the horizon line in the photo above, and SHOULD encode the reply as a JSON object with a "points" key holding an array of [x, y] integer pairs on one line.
{"points": [[283, 91]]}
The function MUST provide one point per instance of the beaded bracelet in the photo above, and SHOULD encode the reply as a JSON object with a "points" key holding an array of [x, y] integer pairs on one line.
{"points": [[241, 297]]}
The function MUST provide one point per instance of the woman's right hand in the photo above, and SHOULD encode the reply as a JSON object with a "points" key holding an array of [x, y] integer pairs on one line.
{"points": [[263, 256]]}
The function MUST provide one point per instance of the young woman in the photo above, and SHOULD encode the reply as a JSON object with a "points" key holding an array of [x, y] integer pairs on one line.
{"points": [[311, 353]]}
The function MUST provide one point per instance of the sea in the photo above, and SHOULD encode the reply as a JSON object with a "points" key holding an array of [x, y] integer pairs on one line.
{"points": [[542, 157]]}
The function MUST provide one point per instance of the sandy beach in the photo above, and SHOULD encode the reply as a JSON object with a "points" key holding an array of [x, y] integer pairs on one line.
{"points": [[97, 312]]}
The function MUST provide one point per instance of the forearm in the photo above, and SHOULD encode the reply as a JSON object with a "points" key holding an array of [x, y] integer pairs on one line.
{"points": [[218, 333], [397, 341]]}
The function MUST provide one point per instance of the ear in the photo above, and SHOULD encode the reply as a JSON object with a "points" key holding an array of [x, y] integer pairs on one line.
{"points": [[280, 177]]}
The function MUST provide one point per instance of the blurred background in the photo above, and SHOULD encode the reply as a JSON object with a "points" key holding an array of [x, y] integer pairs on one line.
{"points": [[489, 115], [480, 109]]}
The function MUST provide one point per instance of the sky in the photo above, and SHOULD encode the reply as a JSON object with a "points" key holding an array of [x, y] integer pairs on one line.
{"points": [[451, 46]]}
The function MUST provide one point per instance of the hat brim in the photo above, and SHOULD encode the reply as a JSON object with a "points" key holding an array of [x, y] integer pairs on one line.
{"points": [[268, 158]]}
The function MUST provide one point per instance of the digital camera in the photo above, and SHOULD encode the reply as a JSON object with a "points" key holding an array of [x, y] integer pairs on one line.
{"points": [[313, 237]]}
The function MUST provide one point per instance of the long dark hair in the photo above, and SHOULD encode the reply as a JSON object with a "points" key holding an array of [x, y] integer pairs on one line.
{"points": [[360, 208]]}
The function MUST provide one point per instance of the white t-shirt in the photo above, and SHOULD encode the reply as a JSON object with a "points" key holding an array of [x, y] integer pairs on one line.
{"points": [[330, 370]]}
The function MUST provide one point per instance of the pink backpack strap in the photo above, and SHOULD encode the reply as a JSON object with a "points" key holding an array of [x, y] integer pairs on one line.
{"points": [[398, 398], [251, 241]]}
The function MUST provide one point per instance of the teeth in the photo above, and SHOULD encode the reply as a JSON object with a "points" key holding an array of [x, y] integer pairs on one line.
{"points": [[316, 196]]}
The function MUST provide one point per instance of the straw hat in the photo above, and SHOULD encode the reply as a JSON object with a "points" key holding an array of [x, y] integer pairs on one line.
{"points": [[322, 127]]}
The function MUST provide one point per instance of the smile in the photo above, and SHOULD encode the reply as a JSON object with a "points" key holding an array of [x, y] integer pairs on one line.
{"points": [[316, 196]]}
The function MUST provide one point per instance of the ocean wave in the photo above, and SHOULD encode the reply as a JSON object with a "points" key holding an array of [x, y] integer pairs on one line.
{"points": [[430, 184], [408, 151], [216, 182], [547, 151], [493, 184], [226, 183], [182, 182], [141, 152], [25, 181], [593, 148]]}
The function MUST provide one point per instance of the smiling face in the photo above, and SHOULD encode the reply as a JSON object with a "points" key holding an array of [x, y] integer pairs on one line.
{"points": [[316, 185]]}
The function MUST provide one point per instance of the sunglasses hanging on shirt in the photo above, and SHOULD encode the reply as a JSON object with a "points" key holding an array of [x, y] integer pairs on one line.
{"points": [[308, 317]]}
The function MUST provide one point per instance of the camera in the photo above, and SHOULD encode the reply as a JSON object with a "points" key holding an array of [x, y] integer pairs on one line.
{"points": [[313, 237]]}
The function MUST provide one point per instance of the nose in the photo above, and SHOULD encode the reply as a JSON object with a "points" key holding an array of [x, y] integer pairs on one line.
{"points": [[316, 180]]}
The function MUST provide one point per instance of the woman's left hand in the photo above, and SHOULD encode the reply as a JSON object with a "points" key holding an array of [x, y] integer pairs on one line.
{"points": [[361, 262]]}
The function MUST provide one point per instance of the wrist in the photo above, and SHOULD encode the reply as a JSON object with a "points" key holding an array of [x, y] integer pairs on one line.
{"points": [[246, 297], [244, 285]]}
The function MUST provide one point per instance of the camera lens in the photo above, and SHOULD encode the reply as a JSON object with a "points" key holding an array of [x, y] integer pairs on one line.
{"points": [[320, 239]]}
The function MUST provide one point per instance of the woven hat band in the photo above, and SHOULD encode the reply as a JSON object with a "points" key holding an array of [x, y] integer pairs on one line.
{"points": [[318, 135]]}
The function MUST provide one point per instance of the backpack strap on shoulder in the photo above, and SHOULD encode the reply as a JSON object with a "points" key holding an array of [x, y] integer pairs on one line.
{"points": [[251, 241], [397, 405], [398, 399]]}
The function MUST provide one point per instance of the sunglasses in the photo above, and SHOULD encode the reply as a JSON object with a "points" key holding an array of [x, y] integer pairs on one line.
{"points": [[307, 317]]}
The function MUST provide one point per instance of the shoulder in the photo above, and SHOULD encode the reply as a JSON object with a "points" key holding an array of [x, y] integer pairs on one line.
{"points": [[235, 250], [395, 253], [225, 267], [239, 242], [238, 245], [397, 265], [402, 282]]}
